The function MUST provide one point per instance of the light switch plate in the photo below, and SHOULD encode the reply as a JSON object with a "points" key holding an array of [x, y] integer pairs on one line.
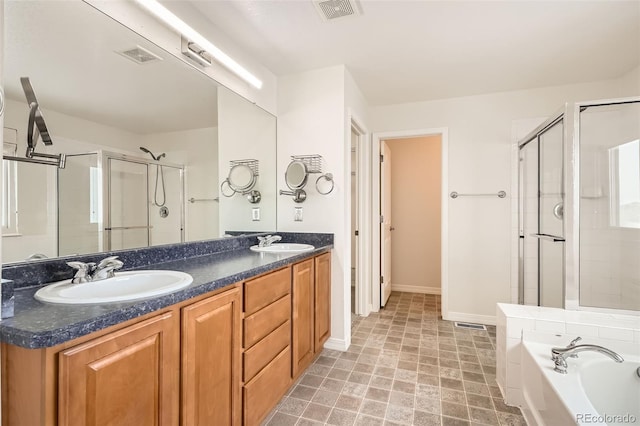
{"points": [[297, 214], [255, 214]]}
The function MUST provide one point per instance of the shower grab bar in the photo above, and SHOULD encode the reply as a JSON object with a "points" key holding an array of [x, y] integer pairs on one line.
{"points": [[112, 228], [547, 237], [500, 194], [194, 200]]}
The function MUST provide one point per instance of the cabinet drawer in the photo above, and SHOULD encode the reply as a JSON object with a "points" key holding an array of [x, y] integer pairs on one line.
{"points": [[263, 322], [263, 392], [265, 290], [265, 350]]}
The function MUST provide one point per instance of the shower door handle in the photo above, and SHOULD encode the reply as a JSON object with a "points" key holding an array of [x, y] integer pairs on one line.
{"points": [[546, 237], [125, 228]]}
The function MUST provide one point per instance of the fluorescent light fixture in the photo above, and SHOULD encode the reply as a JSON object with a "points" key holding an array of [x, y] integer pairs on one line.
{"points": [[195, 52], [164, 15]]}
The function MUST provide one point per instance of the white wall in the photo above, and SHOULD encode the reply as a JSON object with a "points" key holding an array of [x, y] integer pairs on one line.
{"points": [[480, 161], [134, 17], [246, 132], [629, 83], [313, 119]]}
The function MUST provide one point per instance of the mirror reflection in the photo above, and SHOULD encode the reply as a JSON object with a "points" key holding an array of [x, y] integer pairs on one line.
{"points": [[147, 138]]}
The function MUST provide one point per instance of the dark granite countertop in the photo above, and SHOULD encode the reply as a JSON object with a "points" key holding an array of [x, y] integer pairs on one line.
{"points": [[39, 325]]}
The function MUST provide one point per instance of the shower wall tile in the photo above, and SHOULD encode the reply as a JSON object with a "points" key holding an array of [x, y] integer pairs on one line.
{"points": [[623, 334], [582, 330], [550, 326]]}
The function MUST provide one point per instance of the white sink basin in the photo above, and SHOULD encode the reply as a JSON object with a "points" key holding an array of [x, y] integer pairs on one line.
{"points": [[125, 286], [283, 248]]}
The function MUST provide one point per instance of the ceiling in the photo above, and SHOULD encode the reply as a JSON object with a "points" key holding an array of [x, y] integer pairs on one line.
{"points": [[404, 51], [83, 76]]}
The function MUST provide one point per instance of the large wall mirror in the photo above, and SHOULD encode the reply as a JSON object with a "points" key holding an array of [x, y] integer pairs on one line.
{"points": [[148, 140]]}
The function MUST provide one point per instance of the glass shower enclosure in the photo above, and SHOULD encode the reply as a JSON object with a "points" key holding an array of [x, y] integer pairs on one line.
{"points": [[579, 208], [109, 201]]}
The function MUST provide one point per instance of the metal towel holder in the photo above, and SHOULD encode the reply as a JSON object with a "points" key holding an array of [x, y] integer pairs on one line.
{"points": [[500, 194]]}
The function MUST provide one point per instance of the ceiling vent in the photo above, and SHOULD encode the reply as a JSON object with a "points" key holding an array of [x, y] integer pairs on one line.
{"points": [[333, 9], [139, 55]]}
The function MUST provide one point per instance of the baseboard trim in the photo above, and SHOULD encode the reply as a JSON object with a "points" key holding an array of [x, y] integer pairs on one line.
{"points": [[473, 318], [415, 289], [336, 344]]}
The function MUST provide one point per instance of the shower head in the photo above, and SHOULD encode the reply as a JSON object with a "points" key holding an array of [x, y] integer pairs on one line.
{"points": [[146, 151]]}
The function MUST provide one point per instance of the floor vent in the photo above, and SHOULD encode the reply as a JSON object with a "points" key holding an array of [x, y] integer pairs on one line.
{"points": [[470, 325]]}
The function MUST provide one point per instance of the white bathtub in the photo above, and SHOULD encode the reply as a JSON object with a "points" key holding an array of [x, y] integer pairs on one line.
{"points": [[595, 391]]}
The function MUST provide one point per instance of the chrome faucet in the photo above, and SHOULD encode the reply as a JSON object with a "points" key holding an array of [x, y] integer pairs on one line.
{"points": [[268, 240], [560, 355], [87, 272], [83, 272], [106, 268]]}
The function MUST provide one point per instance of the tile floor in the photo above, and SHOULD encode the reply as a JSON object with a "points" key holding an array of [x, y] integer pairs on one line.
{"points": [[405, 366]]}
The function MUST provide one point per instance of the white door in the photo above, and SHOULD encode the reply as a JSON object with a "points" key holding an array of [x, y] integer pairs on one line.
{"points": [[385, 226]]}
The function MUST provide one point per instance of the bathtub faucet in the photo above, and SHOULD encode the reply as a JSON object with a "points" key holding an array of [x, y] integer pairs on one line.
{"points": [[560, 355]]}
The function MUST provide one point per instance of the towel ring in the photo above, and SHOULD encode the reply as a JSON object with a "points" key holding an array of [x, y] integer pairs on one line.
{"points": [[226, 194], [327, 177]]}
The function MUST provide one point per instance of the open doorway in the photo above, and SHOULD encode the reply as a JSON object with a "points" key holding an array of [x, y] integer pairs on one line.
{"points": [[355, 293], [410, 207], [359, 226]]}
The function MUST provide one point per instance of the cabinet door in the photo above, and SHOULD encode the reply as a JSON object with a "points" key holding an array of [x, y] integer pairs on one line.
{"points": [[128, 377], [211, 361], [322, 300], [303, 313]]}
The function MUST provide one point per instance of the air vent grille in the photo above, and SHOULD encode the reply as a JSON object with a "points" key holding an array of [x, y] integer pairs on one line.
{"points": [[139, 55], [334, 9], [470, 325]]}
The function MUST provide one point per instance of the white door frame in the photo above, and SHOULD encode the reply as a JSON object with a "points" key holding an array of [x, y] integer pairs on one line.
{"points": [[363, 292], [373, 209]]}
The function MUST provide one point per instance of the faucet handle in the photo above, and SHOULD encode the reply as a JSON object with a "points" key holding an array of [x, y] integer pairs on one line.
{"points": [[572, 344], [83, 271], [111, 260]]}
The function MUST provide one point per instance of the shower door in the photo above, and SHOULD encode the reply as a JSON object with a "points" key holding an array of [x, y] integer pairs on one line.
{"points": [[80, 206], [528, 204], [127, 223], [609, 229], [551, 217], [542, 218]]}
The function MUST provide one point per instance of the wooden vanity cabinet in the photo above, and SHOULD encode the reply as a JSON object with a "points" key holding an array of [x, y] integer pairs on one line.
{"points": [[219, 359], [303, 316], [311, 310], [180, 365], [322, 295], [212, 361], [267, 343], [125, 377]]}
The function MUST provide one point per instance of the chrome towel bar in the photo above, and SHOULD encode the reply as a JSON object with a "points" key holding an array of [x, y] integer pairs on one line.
{"points": [[500, 194], [194, 200]]}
